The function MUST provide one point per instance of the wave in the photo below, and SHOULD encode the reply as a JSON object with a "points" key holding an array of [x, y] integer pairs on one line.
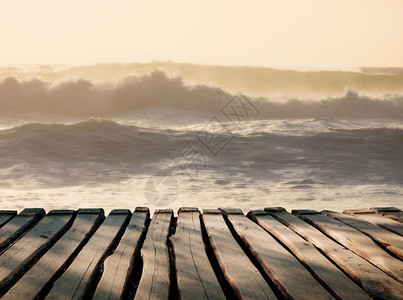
{"points": [[96, 151], [93, 151], [82, 98], [255, 81], [96, 139]]}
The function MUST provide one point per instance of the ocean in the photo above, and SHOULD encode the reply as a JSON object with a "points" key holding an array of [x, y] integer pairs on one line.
{"points": [[168, 135]]}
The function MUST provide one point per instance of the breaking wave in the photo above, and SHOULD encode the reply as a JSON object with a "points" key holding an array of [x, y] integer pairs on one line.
{"points": [[93, 135], [82, 98], [97, 150], [256, 81]]}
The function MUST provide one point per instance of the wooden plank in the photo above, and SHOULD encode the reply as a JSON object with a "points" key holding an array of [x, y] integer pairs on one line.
{"points": [[340, 286], [356, 241], [243, 277], [390, 212], [195, 275], [18, 258], [276, 260], [374, 218], [77, 280], [374, 281], [40, 275], [6, 215], [155, 282], [16, 227], [119, 266], [389, 240]]}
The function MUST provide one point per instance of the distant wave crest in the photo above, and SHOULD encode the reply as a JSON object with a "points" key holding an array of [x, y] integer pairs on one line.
{"points": [[82, 98], [258, 81]]}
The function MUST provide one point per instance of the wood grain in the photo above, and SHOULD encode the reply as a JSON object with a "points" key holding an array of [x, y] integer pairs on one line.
{"points": [[119, 265], [195, 275], [41, 274], [377, 219], [391, 241], [356, 241], [276, 260], [340, 286], [243, 277], [17, 226], [6, 215], [16, 259], [374, 281], [155, 279], [75, 282]]}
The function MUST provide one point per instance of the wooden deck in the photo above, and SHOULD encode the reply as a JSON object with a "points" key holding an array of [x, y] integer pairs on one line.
{"points": [[214, 254]]}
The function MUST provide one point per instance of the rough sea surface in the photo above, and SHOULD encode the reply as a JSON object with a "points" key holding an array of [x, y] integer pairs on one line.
{"points": [[157, 140]]}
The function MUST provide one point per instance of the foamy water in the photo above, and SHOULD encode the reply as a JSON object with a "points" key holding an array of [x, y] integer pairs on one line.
{"points": [[155, 141]]}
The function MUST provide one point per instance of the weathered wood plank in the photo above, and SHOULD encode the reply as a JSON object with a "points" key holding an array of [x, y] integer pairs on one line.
{"points": [[374, 218], [17, 259], [155, 282], [389, 240], [390, 212], [243, 277], [195, 275], [276, 260], [374, 281], [6, 215], [327, 273], [16, 227], [40, 275], [75, 282], [119, 265], [356, 241]]}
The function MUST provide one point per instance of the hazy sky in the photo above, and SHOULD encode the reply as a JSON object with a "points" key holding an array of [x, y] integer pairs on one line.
{"points": [[282, 33]]}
